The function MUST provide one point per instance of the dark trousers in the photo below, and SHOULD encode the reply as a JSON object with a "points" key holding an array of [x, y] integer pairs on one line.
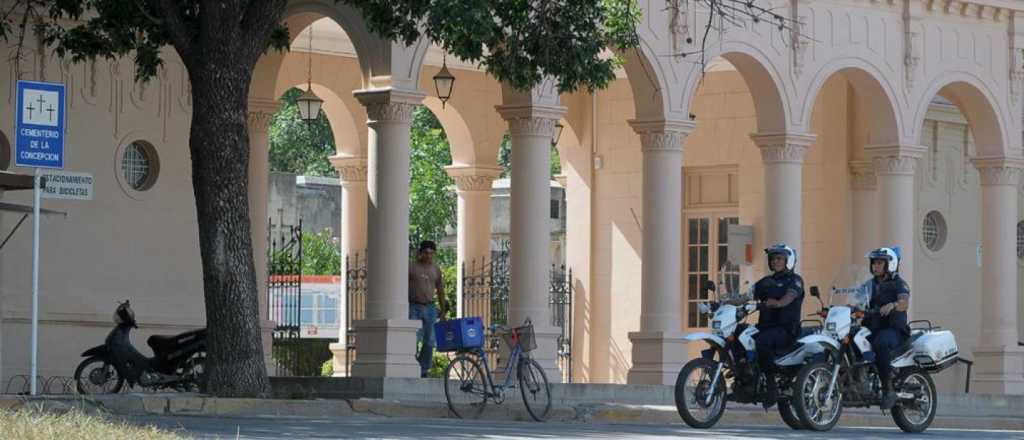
{"points": [[770, 342], [884, 342]]}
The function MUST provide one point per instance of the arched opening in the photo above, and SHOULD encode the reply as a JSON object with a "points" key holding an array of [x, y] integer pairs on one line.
{"points": [[849, 109]]}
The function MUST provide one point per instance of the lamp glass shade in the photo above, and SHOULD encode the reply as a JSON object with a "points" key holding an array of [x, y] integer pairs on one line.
{"points": [[309, 105]]}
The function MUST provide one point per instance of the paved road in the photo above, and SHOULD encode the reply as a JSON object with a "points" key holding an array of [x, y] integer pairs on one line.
{"points": [[419, 428]]}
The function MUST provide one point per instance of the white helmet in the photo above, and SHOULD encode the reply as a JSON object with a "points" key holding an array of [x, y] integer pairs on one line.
{"points": [[781, 249], [889, 254]]}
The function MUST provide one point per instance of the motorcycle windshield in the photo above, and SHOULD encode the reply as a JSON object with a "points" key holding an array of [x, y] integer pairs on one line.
{"points": [[851, 286], [729, 285]]}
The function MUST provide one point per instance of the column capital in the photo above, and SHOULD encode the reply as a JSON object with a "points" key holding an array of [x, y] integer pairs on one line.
{"points": [[389, 105], [662, 135], [351, 169], [473, 178], [862, 175], [999, 170], [531, 120], [895, 159], [783, 147], [261, 114]]}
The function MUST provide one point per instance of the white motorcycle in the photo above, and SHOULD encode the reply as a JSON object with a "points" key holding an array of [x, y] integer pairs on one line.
{"points": [[845, 376], [728, 370]]}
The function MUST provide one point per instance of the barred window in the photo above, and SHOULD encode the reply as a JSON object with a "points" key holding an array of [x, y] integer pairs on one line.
{"points": [[1020, 240], [139, 165], [933, 231]]}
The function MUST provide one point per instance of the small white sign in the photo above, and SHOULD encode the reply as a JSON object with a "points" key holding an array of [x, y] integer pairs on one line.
{"points": [[740, 244], [67, 185]]}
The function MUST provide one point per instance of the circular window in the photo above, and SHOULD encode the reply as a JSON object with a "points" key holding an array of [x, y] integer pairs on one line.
{"points": [[5, 152], [1020, 240], [139, 165], [933, 231]]}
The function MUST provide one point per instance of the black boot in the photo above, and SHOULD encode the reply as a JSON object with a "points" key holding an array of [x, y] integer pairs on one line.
{"points": [[888, 396], [771, 392], [888, 399]]}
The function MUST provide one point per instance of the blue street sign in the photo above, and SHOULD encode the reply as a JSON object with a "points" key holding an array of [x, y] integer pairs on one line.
{"points": [[39, 125]]}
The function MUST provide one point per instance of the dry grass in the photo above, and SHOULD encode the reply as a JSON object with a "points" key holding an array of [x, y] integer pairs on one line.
{"points": [[27, 424]]}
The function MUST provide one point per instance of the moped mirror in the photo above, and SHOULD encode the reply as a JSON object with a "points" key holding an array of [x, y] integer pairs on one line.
{"points": [[815, 292]]}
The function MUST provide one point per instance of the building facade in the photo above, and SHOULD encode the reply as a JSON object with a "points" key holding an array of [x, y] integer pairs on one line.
{"points": [[891, 123]]}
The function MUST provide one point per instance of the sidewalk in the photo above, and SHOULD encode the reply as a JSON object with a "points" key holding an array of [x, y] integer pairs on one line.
{"points": [[573, 403]]}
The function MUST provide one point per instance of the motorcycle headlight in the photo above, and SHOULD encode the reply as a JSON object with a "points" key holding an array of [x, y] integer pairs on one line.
{"points": [[716, 327], [831, 326]]}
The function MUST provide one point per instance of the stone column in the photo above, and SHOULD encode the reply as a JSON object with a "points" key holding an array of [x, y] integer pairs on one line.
{"points": [[659, 350], [261, 111], [531, 128], [473, 184], [783, 157], [999, 361], [352, 174], [862, 186], [386, 338], [897, 217]]}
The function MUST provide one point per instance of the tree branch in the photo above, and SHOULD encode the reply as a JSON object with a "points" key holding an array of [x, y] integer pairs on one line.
{"points": [[260, 19], [145, 13], [174, 24]]}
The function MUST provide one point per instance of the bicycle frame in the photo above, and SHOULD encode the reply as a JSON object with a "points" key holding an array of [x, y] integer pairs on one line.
{"points": [[510, 367]]}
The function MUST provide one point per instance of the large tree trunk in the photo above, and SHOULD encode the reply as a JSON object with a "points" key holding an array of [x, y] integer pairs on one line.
{"points": [[219, 143]]}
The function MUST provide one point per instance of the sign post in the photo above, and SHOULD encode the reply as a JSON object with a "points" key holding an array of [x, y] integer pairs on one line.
{"points": [[39, 143]]}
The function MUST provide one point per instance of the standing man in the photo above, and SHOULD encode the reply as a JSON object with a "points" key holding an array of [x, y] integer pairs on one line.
{"points": [[426, 283]]}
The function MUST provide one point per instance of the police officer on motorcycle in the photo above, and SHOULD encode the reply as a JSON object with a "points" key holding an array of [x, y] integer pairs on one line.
{"points": [[780, 295], [890, 294]]}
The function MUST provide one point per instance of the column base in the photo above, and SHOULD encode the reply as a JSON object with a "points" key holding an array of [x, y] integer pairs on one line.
{"points": [[339, 360], [998, 370], [546, 353], [387, 348], [657, 357]]}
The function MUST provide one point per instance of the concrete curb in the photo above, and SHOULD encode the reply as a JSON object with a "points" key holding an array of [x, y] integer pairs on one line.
{"points": [[586, 413]]}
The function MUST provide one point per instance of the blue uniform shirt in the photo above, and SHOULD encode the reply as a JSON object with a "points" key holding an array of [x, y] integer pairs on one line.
{"points": [[775, 286], [884, 292]]}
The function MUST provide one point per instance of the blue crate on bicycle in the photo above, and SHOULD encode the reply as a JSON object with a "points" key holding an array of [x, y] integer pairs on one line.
{"points": [[459, 334]]}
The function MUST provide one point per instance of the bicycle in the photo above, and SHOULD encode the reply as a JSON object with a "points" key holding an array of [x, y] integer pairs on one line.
{"points": [[467, 386]]}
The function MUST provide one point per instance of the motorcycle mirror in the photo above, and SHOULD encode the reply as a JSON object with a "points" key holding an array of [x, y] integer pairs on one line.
{"points": [[709, 286], [815, 292]]}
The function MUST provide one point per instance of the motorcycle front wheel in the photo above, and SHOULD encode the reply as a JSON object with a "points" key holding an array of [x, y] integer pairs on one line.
{"points": [[96, 375], [699, 405], [817, 410]]}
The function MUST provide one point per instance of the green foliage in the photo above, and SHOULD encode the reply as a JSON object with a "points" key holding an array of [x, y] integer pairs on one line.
{"points": [[89, 29], [505, 158], [432, 201], [441, 361], [327, 369], [518, 42], [451, 282], [320, 254], [297, 146]]}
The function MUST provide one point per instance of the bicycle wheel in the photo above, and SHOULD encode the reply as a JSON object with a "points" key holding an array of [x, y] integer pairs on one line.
{"points": [[533, 383], [465, 387]]}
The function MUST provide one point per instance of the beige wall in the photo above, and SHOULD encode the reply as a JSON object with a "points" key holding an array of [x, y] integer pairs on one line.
{"points": [[121, 245], [142, 246]]}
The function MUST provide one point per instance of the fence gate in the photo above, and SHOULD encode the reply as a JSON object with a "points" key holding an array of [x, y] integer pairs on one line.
{"points": [[284, 288], [485, 293], [355, 303], [561, 318]]}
